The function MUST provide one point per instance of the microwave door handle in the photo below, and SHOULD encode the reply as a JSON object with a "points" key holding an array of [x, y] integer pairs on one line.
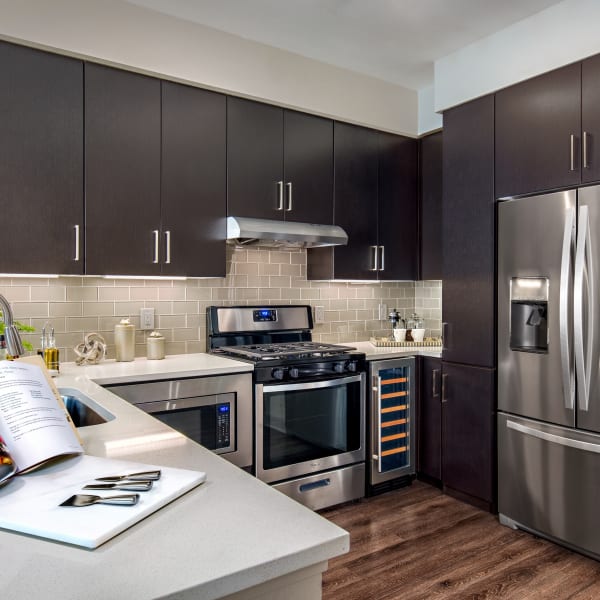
{"points": [[568, 375], [582, 356]]}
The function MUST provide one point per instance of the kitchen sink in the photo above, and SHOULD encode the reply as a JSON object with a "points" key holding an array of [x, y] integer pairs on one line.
{"points": [[83, 410]]}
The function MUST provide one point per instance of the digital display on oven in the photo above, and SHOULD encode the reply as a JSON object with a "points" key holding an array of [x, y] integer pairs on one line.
{"points": [[265, 314]]}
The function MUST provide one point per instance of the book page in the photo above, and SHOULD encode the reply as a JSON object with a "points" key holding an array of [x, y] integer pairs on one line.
{"points": [[33, 424]]}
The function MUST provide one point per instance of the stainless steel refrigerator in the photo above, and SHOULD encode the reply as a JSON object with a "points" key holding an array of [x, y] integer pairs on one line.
{"points": [[548, 366]]}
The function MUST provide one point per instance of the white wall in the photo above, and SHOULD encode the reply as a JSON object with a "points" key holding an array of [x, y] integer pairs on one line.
{"points": [[429, 120], [560, 35], [118, 33]]}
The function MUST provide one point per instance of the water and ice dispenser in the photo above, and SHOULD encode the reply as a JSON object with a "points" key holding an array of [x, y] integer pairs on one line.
{"points": [[529, 314]]}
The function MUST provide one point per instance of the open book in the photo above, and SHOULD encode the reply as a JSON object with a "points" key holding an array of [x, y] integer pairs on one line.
{"points": [[35, 427]]}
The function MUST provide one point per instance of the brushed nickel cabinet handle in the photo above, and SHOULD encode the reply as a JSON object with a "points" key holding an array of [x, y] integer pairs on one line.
{"points": [[444, 378], [375, 250], [434, 391], [76, 257], [289, 188], [382, 261], [585, 154], [572, 152], [167, 247], [155, 235], [279, 195]]}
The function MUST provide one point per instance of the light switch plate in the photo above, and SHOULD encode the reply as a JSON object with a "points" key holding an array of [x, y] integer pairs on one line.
{"points": [[319, 314], [383, 312], [146, 318]]}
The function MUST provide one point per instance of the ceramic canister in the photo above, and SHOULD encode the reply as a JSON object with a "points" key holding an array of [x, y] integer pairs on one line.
{"points": [[155, 346], [125, 341]]}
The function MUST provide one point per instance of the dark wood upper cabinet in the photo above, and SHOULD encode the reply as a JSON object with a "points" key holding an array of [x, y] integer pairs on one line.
{"points": [[41, 161], [279, 163], [430, 206], [468, 234], [308, 168], [355, 207], [255, 185], [122, 157], [430, 419], [468, 440], [538, 133], [397, 208], [193, 194], [375, 202], [590, 119]]}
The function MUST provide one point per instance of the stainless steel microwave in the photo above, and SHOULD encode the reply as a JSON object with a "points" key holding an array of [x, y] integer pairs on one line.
{"points": [[215, 412]]}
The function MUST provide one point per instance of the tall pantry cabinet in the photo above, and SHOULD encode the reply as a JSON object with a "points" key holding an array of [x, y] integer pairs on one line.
{"points": [[468, 303]]}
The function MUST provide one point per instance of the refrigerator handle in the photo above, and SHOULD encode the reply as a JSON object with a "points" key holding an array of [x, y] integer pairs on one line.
{"points": [[568, 377], [583, 356], [552, 437]]}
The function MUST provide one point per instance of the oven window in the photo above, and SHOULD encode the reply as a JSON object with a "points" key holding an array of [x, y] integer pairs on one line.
{"points": [[207, 425], [309, 424]]}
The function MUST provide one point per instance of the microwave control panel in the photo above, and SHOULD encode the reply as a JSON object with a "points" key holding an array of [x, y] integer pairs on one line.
{"points": [[223, 425]]}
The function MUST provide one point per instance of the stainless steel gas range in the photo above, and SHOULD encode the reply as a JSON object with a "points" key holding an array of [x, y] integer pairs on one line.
{"points": [[309, 401]]}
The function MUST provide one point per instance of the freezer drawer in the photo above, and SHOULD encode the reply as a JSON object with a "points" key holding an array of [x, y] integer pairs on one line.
{"points": [[549, 481]]}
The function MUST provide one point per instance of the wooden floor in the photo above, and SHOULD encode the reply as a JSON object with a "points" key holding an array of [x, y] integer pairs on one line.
{"points": [[416, 542]]}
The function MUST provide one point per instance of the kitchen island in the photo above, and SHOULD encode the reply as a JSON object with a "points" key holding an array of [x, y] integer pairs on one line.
{"points": [[231, 537]]}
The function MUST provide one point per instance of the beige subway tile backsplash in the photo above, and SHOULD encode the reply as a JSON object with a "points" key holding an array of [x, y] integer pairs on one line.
{"points": [[78, 305]]}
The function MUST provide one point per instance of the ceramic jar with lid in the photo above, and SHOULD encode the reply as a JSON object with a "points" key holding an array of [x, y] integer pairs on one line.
{"points": [[155, 346], [124, 341]]}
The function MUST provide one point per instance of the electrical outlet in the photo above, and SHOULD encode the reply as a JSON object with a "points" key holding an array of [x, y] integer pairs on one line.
{"points": [[146, 318], [319, 314], [383, 312]]}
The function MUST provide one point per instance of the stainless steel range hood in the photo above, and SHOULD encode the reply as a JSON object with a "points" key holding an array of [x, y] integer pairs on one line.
{"points": [[267, 232]]}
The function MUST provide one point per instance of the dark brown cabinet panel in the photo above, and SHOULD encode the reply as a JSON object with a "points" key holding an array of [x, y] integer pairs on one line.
{"points": [[355, 203], [430, 419], [279, 163], [308, 168], [590, 119], [468, 439], [193, 195], [255, 185], [375, 202], [468, 301], [538, 125], [430, 206], [398, 208], [41, 161], [122, 156]]}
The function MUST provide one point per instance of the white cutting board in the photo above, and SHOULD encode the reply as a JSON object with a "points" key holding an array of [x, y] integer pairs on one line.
{"points": [[30, 503]]}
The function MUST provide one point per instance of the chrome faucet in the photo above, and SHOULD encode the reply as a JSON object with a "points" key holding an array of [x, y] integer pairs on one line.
{"points": [[14, 345]]}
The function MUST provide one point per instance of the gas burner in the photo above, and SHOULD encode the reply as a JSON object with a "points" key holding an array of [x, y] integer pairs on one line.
{"points": [[293, 350]]}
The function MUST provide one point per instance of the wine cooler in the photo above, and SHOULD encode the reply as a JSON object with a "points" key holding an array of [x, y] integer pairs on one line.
{"points": [[392, 452]]}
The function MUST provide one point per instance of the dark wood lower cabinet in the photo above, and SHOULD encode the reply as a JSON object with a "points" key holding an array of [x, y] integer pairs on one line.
{"points": [[429, 415], [468, 433]]}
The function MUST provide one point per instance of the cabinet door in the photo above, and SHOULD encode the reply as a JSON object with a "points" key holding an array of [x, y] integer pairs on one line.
{"points": [[308, 165], [430, 209], [430, 419], [122, 155], [538, 125], [41, 161], [468, 309], [193, 197], [254, 159], [590, 119], [468, 439], [397, 214], [355, 201]]}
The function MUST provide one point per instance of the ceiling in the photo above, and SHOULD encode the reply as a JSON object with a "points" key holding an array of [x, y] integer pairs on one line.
{"points": [[394, 40]]}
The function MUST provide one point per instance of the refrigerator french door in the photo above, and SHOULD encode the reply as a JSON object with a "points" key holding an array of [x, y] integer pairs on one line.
{"points": [[548, 366]]}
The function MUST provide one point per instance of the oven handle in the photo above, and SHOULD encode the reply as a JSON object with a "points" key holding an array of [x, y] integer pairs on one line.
{"points": [[291, 387]]}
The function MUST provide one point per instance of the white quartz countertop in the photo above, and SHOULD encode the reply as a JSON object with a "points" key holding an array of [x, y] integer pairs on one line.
{"points": [[377, 353], [229, 534]]}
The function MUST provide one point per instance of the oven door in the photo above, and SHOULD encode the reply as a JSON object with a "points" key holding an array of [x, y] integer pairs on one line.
{"points": [[208, 420], [308, 427]]}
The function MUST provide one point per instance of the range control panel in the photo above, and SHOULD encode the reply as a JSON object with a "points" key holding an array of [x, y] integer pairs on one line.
{"points": [[265, 315]]}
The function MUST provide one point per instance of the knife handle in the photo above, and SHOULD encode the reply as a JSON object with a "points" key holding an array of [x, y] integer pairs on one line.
{"points": [[124, 500]]}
